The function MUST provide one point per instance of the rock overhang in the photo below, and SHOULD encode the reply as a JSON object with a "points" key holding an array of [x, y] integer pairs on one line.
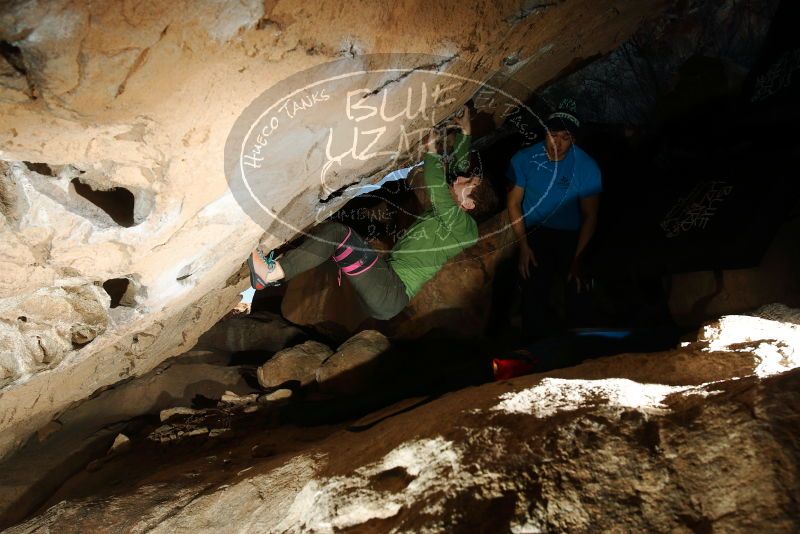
{"points": [[142, 99]]}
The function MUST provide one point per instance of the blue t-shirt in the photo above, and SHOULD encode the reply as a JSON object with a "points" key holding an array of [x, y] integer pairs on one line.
{"points": [[553, 189]]}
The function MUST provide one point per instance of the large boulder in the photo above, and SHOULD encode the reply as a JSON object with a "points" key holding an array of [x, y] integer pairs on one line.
{"points": [[121, 112], [49, 324], [295, 364], [700, 438], [356, 365], [68, 443]]}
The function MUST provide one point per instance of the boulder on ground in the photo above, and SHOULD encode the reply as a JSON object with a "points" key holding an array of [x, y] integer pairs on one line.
{"points": [[122, 444], [169, 413], [231, 398], [298, 363], [276, 396], [358, 364]]}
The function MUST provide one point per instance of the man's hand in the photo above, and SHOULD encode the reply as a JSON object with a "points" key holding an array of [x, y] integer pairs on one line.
{"points": [[431, 140], [463, 120], [526, 259], [577, 272]]}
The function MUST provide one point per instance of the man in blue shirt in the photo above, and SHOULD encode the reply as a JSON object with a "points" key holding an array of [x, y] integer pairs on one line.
{"points": [[553, 210]]}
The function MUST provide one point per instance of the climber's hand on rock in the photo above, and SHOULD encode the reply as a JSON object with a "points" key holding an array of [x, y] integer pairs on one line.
{"points": [[430, 141], [462, 120]]}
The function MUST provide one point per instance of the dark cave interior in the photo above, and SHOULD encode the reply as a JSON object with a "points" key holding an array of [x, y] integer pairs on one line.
{"points": [[701, 178]]}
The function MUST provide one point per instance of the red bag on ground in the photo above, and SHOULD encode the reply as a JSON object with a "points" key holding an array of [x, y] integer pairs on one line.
{"points": [[515, 365]]}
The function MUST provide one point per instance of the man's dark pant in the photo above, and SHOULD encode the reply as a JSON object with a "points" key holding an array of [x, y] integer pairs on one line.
{"points": [[554, 251]]}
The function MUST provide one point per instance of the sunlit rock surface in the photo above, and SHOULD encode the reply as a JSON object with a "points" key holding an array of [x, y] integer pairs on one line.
{"points": [[122, 110], [699, 438]]}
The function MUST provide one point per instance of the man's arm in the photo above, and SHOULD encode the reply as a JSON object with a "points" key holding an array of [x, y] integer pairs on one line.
{"points": [[461, 152], [463, 142], [514, 206], [433, 174], [589, 208]]}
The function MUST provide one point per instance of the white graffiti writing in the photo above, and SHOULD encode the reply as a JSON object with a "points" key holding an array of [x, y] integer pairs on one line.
{"points": [[696, 210], [363, 214], [778, 77], [288, 109], [422, 103], [292, 107]]}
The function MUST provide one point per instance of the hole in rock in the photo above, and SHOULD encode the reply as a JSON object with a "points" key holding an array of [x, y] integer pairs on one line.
{"points": [[117, 202], [13, 55], [118, 290], [7, 193], [41, 168], [185, 273]]}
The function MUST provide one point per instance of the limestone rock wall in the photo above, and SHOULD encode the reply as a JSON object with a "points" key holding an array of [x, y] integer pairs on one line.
{"points": [[120, 242]]}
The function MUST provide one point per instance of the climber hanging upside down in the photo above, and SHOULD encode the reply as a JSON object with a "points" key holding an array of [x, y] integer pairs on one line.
{"points": [[385, 285]]}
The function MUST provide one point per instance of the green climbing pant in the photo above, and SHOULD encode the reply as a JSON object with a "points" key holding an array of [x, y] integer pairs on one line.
{"points": [[380, 291]]}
